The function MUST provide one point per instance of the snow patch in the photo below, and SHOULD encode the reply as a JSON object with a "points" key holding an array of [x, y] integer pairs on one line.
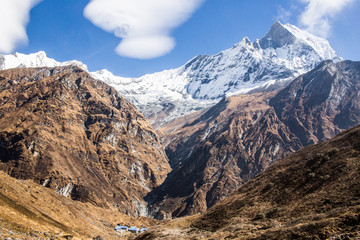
{"points": [[66, 191], [276, 149]]}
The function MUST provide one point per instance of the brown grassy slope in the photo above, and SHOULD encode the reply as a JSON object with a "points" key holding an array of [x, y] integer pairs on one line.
{"points": [[30, 211], [312, 194], [62, 128]]}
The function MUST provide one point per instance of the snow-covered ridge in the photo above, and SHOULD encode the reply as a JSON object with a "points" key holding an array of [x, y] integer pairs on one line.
{"points": [[320, 45], [282, 54], [39, 59]]}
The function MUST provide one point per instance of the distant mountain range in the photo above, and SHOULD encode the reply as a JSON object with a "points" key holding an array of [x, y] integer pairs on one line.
{"points": [[283, 53], [79, 138]]}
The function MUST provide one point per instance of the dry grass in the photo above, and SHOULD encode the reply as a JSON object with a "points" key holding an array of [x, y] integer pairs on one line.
{"points": [[30, 211]]}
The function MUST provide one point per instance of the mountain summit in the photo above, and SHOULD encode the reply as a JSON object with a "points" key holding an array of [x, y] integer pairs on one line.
{"points": [[281, 36], [214, 151], [277, 37]]}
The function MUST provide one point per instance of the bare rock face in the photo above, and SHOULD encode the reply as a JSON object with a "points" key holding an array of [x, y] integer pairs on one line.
{"points": [[322, 103], [78, 136], [215, 153]]}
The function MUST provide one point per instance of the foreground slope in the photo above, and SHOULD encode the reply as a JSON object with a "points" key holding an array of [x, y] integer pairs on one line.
{"points": [[31, 211], [79, 137], [312, 194], [213, 152]]}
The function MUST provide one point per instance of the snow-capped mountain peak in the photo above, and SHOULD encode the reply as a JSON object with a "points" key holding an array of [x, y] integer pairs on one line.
{"points": [[272, 61]]}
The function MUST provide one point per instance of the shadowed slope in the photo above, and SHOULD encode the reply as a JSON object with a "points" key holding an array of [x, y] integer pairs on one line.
{"points": [[31, 211]]}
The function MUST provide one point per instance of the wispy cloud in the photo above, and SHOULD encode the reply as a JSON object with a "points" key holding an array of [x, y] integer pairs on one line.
{"points": [[14, 16], [143, 25], [319, 14], [283, 14]]}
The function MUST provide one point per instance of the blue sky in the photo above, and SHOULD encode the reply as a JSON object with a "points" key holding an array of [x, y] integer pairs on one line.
{"points": [[64, 33]]}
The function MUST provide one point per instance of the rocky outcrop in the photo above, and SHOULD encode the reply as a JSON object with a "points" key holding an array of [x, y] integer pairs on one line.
{"points": [[79, 137]]}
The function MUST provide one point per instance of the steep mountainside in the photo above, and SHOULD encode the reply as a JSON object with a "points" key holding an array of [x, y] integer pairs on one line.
{"points": [[270, 62], [322, 103], [312, 194], [213, 152], [79, 137]]}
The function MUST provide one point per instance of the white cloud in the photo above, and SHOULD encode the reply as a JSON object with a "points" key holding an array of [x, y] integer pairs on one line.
{"points": [[319, 13], [143, 25], [14, 16]]}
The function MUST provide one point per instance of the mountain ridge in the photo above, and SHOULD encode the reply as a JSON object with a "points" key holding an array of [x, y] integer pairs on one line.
{"points": [[205, 79]]}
